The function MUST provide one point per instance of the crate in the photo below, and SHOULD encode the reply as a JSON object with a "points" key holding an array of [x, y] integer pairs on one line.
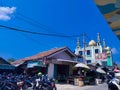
{"points": [[76, 81], [80, 83]]}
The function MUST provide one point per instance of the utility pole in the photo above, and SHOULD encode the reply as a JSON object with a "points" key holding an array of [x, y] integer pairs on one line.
{"points": [[84, 48]]}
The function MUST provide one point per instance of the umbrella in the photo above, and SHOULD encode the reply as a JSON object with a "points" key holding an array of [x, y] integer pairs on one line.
{"points": [[116, 70], [81, 65], [99, 70]]}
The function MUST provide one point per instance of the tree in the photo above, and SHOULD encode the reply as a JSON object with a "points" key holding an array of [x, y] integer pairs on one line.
{"points": [[11, 60]]}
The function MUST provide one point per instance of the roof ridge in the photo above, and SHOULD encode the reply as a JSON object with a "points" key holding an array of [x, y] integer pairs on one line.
{"points": [[54, 49]]}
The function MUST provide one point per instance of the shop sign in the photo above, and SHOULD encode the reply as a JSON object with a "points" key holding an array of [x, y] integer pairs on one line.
{"points": [[100, 56], [32, 64]]}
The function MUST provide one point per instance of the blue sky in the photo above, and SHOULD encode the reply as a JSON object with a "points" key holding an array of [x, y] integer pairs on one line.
{"points": [[59, 17]]}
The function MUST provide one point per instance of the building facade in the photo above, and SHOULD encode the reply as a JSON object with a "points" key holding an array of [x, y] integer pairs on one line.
{"points": [[58, 63], [95, 52]]}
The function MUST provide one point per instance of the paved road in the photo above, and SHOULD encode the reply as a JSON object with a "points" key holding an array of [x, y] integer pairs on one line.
{"points": [[88, 87]]}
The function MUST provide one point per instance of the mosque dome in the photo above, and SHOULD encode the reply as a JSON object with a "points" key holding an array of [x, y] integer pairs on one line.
{"points": [[108, 52], [92, 43], [107, 48]]}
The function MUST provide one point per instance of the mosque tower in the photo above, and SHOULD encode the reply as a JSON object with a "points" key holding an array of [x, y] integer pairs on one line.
{"points": [[77, 47], [98, 39], [104, 44]]}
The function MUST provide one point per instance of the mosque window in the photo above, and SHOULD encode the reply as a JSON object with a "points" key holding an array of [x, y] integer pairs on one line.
{"points": [[88, 61], [96, 51], [88, 52], [80, 52]]}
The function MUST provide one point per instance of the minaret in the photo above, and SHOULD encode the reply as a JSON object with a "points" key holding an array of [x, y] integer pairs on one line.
{"points": [[78, 43], [77, 46], [84, 48], [104, 44], [98, 39]]}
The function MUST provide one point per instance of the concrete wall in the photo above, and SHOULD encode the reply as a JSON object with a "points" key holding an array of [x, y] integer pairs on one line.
{"points": [[51, 70], [63, 55]]}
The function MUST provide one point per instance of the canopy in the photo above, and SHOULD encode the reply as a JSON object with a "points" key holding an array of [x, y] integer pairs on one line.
{"points": [[5, 66], [117, 74], [99, 70], [116, 70], [82, 65]]}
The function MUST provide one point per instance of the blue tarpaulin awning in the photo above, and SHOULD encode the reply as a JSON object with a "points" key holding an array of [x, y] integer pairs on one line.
{"points": [[5, 66]]}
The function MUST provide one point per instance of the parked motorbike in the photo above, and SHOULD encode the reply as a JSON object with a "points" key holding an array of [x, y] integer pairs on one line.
{"points": [[27, 84], [44, 83], [114, 84], [52, 81], [24, 82], [8, 85]]}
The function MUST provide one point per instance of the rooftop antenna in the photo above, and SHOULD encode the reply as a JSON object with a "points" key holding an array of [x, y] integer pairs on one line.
{"points": [[98, 39], [78, 43], [104, 44], [84, 47]]}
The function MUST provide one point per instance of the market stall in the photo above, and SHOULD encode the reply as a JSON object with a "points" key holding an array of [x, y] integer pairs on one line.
{"points": [[79, 73]]}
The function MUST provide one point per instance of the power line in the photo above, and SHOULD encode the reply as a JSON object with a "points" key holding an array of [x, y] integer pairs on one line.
{"points": [[34, 40], [33, 22], [45, 34]]}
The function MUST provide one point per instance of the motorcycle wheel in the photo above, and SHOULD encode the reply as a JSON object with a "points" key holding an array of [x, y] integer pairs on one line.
{"points": [[45, 88], [54, 88], [25, 87]]}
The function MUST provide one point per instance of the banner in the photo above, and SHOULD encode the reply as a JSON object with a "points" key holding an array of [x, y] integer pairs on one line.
{"points": [[32, 64], [100, 56]]}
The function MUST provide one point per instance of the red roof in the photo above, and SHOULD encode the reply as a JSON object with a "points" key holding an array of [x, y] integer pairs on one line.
{"points": [[39, 55]]}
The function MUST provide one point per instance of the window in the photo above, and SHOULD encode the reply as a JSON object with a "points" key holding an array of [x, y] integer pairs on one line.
{"points": [[80, 52], [96, 51], [80, 59], [88, 52], [88, 61]]}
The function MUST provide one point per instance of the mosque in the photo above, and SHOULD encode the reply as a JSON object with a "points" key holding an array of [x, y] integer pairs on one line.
{"points": [[95, 52]]}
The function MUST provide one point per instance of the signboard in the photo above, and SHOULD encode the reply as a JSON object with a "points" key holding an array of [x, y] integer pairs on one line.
{"points": [[100, 56], [32, 64]]}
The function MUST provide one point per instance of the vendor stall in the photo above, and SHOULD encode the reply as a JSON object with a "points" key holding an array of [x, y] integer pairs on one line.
{"points": [[79, 72]]}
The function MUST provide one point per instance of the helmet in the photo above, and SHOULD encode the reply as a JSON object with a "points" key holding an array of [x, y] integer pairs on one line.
{"points": [[39, 74]]}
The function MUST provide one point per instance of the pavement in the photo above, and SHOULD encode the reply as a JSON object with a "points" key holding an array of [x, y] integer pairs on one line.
{"points": [[86, 87]]}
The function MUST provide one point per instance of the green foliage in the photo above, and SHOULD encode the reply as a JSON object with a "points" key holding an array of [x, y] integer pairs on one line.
{"points": [[11, 60]]}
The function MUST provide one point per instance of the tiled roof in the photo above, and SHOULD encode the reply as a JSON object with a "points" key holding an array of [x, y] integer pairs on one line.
{"points": [[3, 61], [38, 56]]}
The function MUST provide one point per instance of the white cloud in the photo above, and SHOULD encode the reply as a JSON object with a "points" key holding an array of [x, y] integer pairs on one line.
{"points": [[5, 12], [115, 51]]}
